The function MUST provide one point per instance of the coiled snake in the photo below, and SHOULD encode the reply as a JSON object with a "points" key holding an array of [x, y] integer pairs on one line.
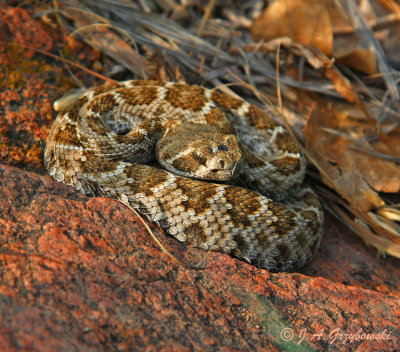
{"points": [[231, 178]]}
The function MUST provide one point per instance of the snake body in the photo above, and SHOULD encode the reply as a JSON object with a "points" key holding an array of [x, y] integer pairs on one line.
{"points": [[231, 178]]}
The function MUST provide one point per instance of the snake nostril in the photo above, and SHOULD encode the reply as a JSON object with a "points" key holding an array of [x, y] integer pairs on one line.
{"points": [[221, 164]]}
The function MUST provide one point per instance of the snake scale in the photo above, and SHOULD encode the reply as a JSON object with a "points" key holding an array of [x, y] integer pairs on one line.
{"points": [[214, 171]]}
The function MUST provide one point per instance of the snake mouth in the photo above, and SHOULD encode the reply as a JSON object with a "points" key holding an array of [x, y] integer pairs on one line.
{"points": [[224, 175], [237, 168], [234, 172]]}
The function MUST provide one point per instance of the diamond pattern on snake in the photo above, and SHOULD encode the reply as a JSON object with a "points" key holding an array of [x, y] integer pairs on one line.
{"points": [[214, 171]]}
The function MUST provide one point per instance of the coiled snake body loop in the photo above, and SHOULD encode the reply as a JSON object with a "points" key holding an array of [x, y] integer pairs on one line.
{"points": [[231, 178]]}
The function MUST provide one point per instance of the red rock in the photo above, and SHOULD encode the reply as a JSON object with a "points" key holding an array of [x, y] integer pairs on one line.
{"points": [[83, 274]]}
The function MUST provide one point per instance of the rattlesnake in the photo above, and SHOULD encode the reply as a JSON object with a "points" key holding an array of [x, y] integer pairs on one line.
{"points": [[211, 147]]}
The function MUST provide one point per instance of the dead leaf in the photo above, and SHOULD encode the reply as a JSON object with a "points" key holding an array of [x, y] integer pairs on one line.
{"points": [[101, 37], [383, 175], [307, 22], [320, 24], [348, 54], [356, 175]]}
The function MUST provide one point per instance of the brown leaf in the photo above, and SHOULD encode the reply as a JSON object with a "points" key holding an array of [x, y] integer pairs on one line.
{"points": [[320, 24], [99, 36], [383, 175], [347, 53], [307, 22], [356, 175]]}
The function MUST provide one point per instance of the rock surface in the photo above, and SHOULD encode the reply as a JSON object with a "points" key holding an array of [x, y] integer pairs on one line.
{"points": [[82, 274]]}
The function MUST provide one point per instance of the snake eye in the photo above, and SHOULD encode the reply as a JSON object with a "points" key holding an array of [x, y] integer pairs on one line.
{"points": [[223, 147], [201, 159]]}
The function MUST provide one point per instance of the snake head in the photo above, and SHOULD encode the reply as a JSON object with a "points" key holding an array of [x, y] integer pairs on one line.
{"points": [[200, 151]]}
